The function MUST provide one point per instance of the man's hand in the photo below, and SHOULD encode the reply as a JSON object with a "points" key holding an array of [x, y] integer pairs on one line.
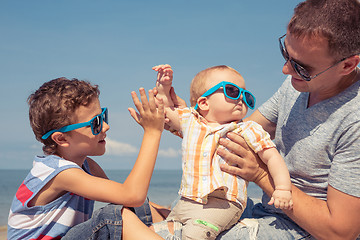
{"points": [[178, 102], [241, 160]]}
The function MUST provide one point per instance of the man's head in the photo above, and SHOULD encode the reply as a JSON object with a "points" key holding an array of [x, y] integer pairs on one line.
{"points": [[321, 47], [338, 21], [52, 106]]}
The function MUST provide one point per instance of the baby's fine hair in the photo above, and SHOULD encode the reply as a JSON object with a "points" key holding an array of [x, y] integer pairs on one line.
{"points": [[52, 106], [197, 87]]}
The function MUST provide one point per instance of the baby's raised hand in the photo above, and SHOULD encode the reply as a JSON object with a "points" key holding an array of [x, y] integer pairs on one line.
{"points": [[163, 83], [282, 199], [164, 74], [150, 117]]}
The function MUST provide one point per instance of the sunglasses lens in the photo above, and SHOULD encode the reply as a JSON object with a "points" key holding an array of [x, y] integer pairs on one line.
{"points": [[96, 124], [301, 71], [106, 116], [249, 99], [232, 91], [283, 52]]}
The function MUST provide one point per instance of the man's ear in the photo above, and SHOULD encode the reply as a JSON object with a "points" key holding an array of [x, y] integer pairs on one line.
{"points": [[203, 103], [60, 139], [350, 64]]}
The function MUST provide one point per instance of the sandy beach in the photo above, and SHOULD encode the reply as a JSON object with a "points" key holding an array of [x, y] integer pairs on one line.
{"points": [[3, 232]]}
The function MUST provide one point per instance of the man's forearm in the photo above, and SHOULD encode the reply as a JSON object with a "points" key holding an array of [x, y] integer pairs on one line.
{"points": [[311, 214], [329, 219]]}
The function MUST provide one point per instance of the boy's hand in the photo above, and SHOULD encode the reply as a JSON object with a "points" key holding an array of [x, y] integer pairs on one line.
{"points": [[281, 199], [149, 116]]}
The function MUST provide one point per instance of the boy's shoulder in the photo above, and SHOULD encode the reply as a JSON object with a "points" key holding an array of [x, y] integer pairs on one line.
{"points": [[44, 169], [52, 161]]}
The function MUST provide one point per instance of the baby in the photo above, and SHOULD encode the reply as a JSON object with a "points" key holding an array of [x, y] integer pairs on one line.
{"points": [[212, 200]]}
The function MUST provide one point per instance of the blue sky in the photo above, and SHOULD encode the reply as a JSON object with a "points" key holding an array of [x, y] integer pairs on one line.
{"points": [[114, 44]]}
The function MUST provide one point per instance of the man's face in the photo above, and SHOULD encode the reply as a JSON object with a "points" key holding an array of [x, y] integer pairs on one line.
{"points": [[313, 55]]}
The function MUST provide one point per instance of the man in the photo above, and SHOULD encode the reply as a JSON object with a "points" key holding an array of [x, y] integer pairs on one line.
{"points": [[315, 121]]}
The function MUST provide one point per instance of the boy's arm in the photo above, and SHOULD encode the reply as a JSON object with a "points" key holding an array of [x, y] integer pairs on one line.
{"points": [[281, 197], [134, 190], [95, 169]]}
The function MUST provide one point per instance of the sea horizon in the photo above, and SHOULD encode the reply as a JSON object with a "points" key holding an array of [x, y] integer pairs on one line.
{"points": [[163, 188]]}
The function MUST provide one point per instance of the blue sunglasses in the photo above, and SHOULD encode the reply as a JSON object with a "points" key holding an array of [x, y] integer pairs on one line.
{"points": [[96, 124], [232, 91]]}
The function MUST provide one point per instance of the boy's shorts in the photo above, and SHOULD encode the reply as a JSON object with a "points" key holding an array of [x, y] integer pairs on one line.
{"points": [[107, 222]]}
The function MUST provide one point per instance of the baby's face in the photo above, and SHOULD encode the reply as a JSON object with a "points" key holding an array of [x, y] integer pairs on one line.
{"points": [[221, 108]]}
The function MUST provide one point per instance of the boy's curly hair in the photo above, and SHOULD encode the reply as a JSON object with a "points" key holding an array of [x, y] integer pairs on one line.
{"points": [[52, 106]]}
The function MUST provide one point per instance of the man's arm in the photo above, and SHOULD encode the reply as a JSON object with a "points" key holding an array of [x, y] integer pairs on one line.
{"points": [[336, 218], [264, 122]]}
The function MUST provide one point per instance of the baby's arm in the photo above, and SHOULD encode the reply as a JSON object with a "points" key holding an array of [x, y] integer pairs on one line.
{"points": [[163, 87], [163, 83], [281, 197]]}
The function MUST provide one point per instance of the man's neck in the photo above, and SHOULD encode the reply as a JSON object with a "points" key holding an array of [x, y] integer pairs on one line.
{"points": [[343, 84]]}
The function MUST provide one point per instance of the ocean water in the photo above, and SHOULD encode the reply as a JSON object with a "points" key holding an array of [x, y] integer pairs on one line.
{"points": [[163, 187]]}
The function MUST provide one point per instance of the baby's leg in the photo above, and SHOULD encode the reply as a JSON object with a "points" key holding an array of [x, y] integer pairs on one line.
{"points": [[205, 221]]}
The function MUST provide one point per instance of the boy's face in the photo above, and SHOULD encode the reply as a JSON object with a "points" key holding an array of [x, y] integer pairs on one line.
{"points": [[222, 109], [82, 142]]}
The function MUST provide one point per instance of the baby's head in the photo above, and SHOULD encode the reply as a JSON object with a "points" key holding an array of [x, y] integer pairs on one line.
{"points": [[217, 93], [52, 106]]}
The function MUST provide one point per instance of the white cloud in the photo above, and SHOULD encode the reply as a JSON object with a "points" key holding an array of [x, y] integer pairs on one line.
{"points": [[116, 148], [170, 153], [119, 148]]}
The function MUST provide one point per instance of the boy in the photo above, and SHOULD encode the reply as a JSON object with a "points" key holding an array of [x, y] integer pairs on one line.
{"points": [[212, 200], [59, 192]]}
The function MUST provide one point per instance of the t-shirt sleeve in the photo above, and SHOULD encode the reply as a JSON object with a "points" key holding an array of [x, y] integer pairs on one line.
{"points": [[345, 167], [256, 137], [270, 109]]}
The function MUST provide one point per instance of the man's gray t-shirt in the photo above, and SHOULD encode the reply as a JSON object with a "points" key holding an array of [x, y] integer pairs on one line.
{"points": [[320, 144]]}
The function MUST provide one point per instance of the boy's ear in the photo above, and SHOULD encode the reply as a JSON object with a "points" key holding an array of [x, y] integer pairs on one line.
{"points": [[59, 138], [203, 103], [350, 64]]}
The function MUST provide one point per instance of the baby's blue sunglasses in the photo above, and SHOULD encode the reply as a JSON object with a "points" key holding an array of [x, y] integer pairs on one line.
{"points": [[232, 91], [96, 124]]}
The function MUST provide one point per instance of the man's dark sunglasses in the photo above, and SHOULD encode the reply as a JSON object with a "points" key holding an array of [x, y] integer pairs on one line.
{"points": [[300, 70]]}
